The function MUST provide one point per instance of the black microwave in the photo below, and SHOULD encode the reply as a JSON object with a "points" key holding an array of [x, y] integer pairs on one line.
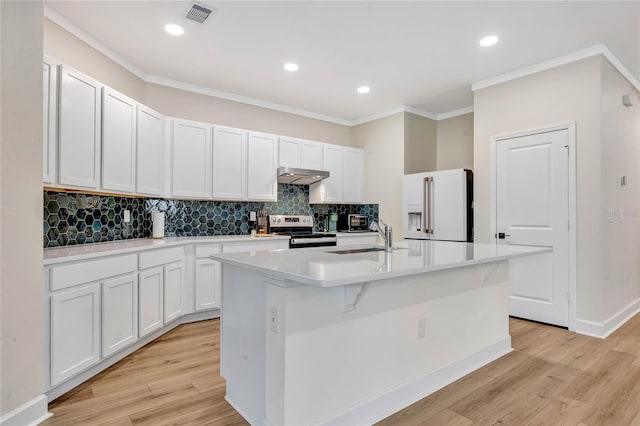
{"points": [[353, 222]]}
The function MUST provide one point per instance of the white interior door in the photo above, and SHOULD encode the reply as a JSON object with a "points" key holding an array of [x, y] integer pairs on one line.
{"points": [[532, 206]]}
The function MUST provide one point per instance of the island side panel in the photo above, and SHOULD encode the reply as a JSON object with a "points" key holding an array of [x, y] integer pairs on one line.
{"points": [[371, 356], [242, 349]]}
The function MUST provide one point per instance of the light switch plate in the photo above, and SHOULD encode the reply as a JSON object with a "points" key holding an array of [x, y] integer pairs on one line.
{"points": [[127, 216]]}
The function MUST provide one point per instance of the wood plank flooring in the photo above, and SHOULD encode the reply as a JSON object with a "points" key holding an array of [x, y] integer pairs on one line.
{"points": [[553, 377]]}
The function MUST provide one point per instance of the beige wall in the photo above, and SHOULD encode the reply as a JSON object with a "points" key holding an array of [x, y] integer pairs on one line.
{"points": [[455, 143], [21, 288], [620, 153], [68, 49], [419, 144], [194, 106], [383, 142], [570, 93]]}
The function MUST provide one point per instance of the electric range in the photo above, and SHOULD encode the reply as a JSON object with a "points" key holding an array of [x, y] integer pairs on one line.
{"points": [[300, 229]]}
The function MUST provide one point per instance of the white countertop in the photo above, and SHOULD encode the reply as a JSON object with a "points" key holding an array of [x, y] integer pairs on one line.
{"points": [[320, 267], [85, 251]]}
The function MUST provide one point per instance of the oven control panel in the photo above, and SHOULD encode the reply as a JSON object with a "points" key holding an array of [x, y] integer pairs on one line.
{"points": [[290, 221]]}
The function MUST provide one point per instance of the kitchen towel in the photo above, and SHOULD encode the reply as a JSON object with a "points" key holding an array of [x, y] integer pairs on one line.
{"points": [[158, 224]]}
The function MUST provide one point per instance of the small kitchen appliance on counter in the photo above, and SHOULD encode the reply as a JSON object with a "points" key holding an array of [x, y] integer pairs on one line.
{"points": [[300, 229], [353, 223]]}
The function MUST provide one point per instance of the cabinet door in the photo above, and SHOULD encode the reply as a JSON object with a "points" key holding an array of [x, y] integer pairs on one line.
{"points": [[79, 131], [173, 290], [150, 301], [262, 165], [118, 141], [191, 159], [119, 313], [150, 152], [289, 152], [353, 178], [75, 331], [50, 119], [229, 164], [311, 155], [207, 289], [333, 163]]}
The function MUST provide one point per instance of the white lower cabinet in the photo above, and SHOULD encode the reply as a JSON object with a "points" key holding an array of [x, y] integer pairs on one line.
{"points": [[150, 316], [173, 290], [119, 313], [75, 331], [207, 284]]}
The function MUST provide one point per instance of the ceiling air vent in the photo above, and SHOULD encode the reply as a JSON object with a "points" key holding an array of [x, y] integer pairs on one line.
{"points": [[199, 12]]}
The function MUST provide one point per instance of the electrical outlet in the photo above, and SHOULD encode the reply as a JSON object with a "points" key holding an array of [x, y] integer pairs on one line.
{"points": [[422, 328], [252, 216], [273, 319], [127, 216]]}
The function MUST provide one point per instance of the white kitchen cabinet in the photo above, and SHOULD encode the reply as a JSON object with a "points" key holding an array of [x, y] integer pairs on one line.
{"points": [[119, 313], [229, 164], [75, 331], [345, 185], [118, 141], [299, 153], [150, 176], [190, 159], [79, 119], [207, 284], [262, 167], [173, 280], [151, 300], [353, 175], [50, 119]]}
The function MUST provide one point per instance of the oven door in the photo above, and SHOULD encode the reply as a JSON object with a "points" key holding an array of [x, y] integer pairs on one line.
{"points": [[302, 242]]}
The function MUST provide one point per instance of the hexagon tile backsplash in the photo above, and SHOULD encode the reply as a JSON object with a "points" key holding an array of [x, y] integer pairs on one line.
{"points": [[75, 218]]}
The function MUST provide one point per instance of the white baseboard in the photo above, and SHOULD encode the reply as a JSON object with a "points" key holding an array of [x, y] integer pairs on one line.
{"points": [[30, 413], [603, 329], [395, 400]]}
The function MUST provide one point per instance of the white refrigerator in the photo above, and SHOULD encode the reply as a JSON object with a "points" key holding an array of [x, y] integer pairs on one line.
{"points": [[438, 205]]}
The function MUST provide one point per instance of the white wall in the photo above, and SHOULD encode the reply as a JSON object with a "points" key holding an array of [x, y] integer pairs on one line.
{"points": [[454, 139], [21, 281], [620, 153], [419, 144], [383, 142]]}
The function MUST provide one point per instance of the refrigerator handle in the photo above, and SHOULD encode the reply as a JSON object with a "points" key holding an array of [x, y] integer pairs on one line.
{"points": [[425, 184], [429, 181]]}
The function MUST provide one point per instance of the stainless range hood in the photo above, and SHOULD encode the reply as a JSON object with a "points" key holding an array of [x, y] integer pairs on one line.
{"points": [[300, 176]]}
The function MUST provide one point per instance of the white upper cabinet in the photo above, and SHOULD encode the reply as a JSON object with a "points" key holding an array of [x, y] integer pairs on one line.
{"points": [[118, 141], [353, 176], [50, 119], [190, 159], [229, 164], [79, 129], [345, 184], [301, 154], [150, 174], [262, 165], [311, 155]]}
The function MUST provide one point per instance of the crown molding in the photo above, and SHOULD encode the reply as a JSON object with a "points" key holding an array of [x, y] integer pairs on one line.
{"points": [[420, 112], [243, 99], [377, 116], [598, 49]]}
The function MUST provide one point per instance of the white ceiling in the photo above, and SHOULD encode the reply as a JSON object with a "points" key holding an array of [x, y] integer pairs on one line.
{"points": [[421, 54]]}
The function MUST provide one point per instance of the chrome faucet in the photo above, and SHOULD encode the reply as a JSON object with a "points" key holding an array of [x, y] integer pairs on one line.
{"points": [[387, 235]]}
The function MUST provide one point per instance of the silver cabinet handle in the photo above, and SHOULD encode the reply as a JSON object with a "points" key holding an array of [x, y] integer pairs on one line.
{"points": [[429, 183]]}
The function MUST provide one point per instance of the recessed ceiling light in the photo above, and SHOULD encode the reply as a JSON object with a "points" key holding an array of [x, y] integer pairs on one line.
{"points": [[363, 89], [489, 41], [291, 67], [174, 29]]}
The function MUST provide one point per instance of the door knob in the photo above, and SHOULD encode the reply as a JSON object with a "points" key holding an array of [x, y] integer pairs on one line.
{"points": [[501, 235]]}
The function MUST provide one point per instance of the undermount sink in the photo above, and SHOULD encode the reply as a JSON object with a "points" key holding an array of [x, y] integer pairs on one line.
{"points": [[362, 250]]}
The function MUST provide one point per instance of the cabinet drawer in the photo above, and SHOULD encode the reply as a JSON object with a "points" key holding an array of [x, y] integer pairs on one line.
{"points": [[91, 270], [207, 249], [149, 259], [255, 246]]}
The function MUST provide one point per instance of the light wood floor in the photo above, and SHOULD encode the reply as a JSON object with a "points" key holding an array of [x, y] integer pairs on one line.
{"points": [[553, 377]]}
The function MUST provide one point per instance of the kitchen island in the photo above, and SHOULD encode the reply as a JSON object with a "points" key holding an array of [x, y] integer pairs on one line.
{"points": [[346, 335]]}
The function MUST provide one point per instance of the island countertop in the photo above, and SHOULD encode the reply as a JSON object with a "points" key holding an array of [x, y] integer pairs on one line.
{"points": [[327, 267]]}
